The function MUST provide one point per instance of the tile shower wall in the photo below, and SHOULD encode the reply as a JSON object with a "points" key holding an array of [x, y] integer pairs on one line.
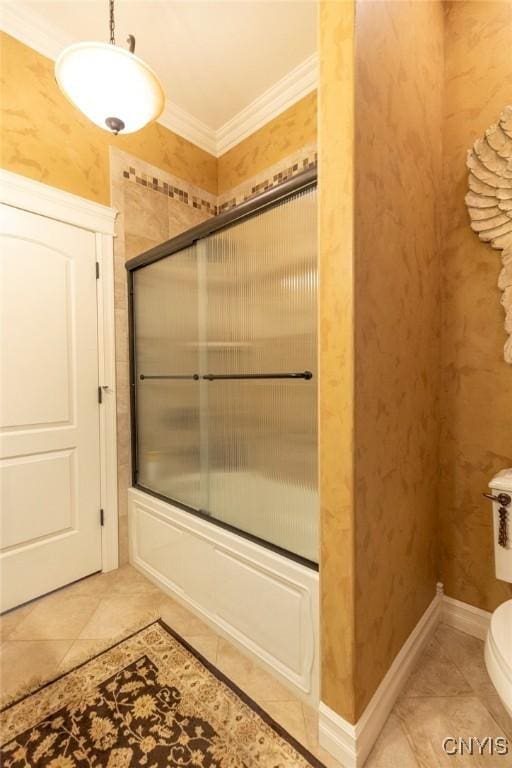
{"points": [[286, 168], [153, 206], [476, 394]]}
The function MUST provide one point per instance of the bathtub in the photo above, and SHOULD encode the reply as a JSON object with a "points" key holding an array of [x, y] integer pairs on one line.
{"points": [[262, 601]]}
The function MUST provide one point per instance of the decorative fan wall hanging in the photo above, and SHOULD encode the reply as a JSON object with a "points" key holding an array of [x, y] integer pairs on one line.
{"points": [[489, 203]]}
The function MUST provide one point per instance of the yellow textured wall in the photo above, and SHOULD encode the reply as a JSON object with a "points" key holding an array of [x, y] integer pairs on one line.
{"points": [[288, 132], [336, 354], [380, 121], [477, 383], [432, 392], [44, 137], [399, 83]]}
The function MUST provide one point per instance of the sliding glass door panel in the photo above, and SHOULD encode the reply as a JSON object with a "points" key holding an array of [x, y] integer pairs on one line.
{"points": [[262, 319], [166, 325], [262, 472], [168, 437]]}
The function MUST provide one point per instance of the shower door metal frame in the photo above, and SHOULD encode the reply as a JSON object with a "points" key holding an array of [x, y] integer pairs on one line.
{"points": [[257, 204]]}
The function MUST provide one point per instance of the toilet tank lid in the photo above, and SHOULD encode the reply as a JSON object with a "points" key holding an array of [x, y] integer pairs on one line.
{"points": [[502, 481]]}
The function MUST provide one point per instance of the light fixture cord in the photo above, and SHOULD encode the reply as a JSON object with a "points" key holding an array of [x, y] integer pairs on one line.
{"points": [[112, 23]]}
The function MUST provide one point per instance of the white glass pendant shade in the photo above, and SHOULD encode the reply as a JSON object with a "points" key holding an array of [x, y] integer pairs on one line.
{"points": [[107, 82]]}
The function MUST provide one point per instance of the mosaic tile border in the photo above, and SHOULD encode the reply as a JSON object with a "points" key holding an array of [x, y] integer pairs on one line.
{"points": [[181, 195], [169, 190], [304, 164]]}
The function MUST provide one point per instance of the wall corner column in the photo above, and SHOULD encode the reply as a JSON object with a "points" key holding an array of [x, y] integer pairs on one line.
{"points": [[336, 356]]}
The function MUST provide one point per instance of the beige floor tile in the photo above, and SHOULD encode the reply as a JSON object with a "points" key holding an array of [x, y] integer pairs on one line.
{"points": [[467, 653], [177, 617], [427, 721], [233, 663], [206, 645], [392, 748], [59, 616], [492, 703], [262, 687], [289, 715], [326, 758], [81, 651], [311, 723], [448, 694], [26, 662], [436, 675], [92, 586], [9, 621], [117, 614], [128, 581]]}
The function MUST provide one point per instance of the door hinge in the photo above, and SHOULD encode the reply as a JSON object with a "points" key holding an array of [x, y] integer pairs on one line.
{"points": [[97, 270], [102, 517], [100, 395]]}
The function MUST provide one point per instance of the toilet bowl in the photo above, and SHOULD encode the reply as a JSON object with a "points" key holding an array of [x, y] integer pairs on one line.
{"points": [[498, 653], [498, 645]]}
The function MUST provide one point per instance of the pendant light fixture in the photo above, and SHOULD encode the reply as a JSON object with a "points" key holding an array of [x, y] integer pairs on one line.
{"points": [[110, 85]]}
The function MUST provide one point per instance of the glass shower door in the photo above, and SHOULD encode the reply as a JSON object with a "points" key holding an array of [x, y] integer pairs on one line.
{"points": [[226, 375], [260, 321], [168, 393]]}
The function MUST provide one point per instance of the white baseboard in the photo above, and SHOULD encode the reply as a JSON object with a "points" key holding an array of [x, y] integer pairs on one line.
{"points": [[351, 744], [465, 617]]}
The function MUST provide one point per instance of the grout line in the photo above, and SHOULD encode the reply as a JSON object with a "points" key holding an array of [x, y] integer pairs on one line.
{"points": [[469, 695], [410, 739], [459, 667]]}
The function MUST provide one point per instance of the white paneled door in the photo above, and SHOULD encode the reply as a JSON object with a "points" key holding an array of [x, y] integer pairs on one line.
{"points": [[50, 531]]}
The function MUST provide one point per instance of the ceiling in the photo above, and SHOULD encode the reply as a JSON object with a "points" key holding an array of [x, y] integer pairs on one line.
{"points": [[214, 57]]}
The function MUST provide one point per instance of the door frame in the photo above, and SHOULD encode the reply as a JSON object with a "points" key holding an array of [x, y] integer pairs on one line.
{"points": [[35, 197]]}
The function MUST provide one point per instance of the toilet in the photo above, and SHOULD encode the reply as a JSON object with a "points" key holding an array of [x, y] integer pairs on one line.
{"points": [[498, 645]]}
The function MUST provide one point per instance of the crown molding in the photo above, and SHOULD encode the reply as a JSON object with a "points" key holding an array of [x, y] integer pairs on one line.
{"points": [[184, 124], [31, 29], [300, 81]]}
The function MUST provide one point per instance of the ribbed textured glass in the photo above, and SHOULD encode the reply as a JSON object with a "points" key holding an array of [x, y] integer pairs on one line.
{"points": [[242, 300], [262, 318], [166, 317]]}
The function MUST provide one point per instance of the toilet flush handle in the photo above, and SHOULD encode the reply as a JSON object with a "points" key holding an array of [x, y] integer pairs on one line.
{"points": [[503, 499]]}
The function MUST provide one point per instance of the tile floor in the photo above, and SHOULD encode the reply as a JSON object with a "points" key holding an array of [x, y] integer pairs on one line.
{"points": [[448, 694]]}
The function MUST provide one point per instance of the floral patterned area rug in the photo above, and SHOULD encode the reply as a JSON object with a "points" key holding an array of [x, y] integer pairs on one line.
{"points": [[151, 700]]}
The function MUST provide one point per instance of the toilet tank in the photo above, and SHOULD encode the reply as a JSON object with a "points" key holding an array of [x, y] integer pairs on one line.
{"points": [[501, 498]]}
